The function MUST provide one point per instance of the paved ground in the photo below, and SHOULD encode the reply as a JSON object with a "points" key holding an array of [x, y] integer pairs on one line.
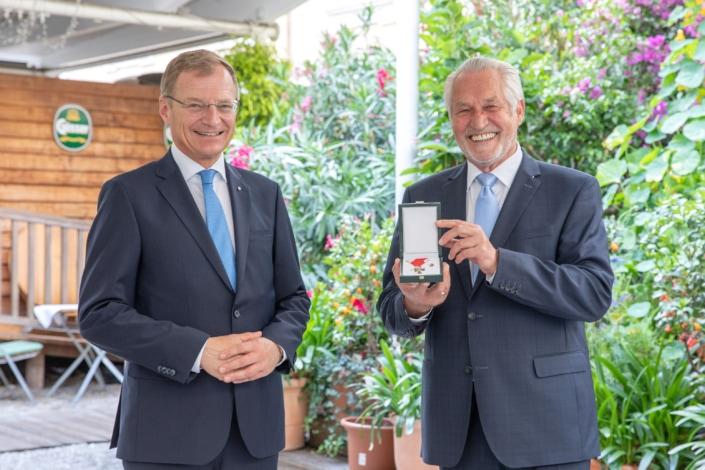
{"points": [[53, 434]]}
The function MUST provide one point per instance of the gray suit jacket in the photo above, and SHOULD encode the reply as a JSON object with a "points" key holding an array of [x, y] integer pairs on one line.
{"points": [[519, 343], [154, 290]]}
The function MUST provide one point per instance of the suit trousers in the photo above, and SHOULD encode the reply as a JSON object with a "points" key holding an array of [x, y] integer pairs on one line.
{"points": [[477, 454], [234, 456]]}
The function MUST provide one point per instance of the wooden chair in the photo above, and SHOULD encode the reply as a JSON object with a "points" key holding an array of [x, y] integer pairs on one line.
{"points": [[12, 352]]}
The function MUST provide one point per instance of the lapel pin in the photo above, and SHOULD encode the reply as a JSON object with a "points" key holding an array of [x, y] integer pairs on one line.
{"points": [[239, 188]]}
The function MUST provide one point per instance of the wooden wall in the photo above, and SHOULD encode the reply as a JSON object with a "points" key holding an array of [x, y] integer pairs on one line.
{"points": [[36, 175]]}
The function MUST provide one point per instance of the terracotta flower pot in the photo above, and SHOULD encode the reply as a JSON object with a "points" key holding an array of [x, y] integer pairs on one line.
{"points": [[295, 410], [407, 451], [360, 456]]}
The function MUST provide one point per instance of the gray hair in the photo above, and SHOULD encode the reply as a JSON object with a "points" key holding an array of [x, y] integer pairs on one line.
{"points": [[511, 82]]}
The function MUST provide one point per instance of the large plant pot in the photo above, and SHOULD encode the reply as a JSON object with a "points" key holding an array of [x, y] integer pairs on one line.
{"points": [[295, 410], [407, 451], [360, 455]]}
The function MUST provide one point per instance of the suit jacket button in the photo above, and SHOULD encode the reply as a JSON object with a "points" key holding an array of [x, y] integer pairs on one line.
{"points": [[468, 369], [472, 316], [236, 313]]}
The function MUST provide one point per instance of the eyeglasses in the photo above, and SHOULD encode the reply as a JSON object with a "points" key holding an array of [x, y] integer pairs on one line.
{"points": [[197, 107]]}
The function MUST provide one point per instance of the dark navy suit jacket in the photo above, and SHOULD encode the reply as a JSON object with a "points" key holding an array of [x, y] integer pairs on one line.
{"points": [[519, 343], [154, 290]]}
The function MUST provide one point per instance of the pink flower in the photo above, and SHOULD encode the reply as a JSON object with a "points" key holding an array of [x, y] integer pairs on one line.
{"points": [[602, 73], [382, 78], [566, 114], [330, 242], [359, 305], [584, 84], [596, 92], [309, 293], [306, 103], [241, 157]]}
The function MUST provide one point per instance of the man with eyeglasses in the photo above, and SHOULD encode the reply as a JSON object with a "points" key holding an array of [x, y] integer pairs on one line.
{"points": [[192, 277]]}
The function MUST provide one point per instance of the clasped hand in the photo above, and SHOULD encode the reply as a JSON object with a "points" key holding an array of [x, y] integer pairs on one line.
{"points": [[240, 357], [466, 241]]}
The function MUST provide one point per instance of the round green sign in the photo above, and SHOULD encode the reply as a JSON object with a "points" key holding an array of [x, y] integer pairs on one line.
{"points": [[73, 128]]}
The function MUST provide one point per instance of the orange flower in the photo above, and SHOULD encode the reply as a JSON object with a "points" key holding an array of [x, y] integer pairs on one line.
{"points": [[373, 269], [697, 326], [359, 291], [614, 247], [668, 328], [664, 298]]}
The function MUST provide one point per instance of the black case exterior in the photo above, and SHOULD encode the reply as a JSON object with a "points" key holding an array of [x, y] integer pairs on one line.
{"points": [[420, 278]]}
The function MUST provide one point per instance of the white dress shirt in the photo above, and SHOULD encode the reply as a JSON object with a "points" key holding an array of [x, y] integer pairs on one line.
{"points": [[505, 173]]}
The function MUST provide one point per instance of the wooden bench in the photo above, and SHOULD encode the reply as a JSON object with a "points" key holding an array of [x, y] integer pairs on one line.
{"points": [[56, 344]]}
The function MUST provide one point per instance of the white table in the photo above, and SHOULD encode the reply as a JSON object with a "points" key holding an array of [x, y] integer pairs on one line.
{"points": [[54, 315]]}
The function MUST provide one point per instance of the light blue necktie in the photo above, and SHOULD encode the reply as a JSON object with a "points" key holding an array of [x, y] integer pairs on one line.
{"points": [[486, 209], [217, 226]]}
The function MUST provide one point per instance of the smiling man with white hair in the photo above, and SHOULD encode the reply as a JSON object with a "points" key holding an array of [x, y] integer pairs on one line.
{"points": [[506, 375]]}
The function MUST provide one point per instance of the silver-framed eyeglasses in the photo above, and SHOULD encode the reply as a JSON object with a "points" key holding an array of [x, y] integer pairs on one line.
{"points": [[198, 107]]}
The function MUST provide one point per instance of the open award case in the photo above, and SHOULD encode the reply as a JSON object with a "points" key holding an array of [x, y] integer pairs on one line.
{"points": [[420, 251]]}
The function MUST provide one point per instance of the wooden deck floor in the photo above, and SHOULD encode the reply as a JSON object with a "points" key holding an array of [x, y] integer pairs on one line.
{"points": [[52, 424], [55, 421]]}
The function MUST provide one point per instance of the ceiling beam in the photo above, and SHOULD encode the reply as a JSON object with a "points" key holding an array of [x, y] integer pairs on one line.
{"points": [[142, 17]]}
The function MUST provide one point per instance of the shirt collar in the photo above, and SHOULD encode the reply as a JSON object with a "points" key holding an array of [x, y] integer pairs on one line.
{"points": [[505, 172], [189, 168]]}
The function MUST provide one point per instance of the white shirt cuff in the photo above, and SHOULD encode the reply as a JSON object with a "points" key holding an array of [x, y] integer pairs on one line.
{"points": [[490, 278], [197, 364], [421, 320], [283, 356]]}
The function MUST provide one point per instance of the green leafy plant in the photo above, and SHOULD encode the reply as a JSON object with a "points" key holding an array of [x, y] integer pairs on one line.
{"points": [[660, 153], [693, 419], [332, 152], [344, 328], [393, 388], [659, 260], [263, 81], [637, 392]]}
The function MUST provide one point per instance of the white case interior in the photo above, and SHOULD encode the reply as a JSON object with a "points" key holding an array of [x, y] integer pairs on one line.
{"points": [[420, 235]]}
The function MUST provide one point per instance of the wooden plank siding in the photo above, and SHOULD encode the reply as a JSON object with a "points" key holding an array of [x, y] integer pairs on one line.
{"points": [[37, 176]]}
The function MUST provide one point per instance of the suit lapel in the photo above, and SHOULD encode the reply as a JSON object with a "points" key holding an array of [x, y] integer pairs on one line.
{"points": [[454, 207], [240, 202], [173, 187], [524, 186]]}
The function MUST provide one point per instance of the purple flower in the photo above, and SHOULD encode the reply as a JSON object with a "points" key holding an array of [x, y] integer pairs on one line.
{"points": [[656, 41], [690, 31], [602, 73], [596, 92], [659, 110], [580, 51], [641, 96], [566, 114], [584, 84]]}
